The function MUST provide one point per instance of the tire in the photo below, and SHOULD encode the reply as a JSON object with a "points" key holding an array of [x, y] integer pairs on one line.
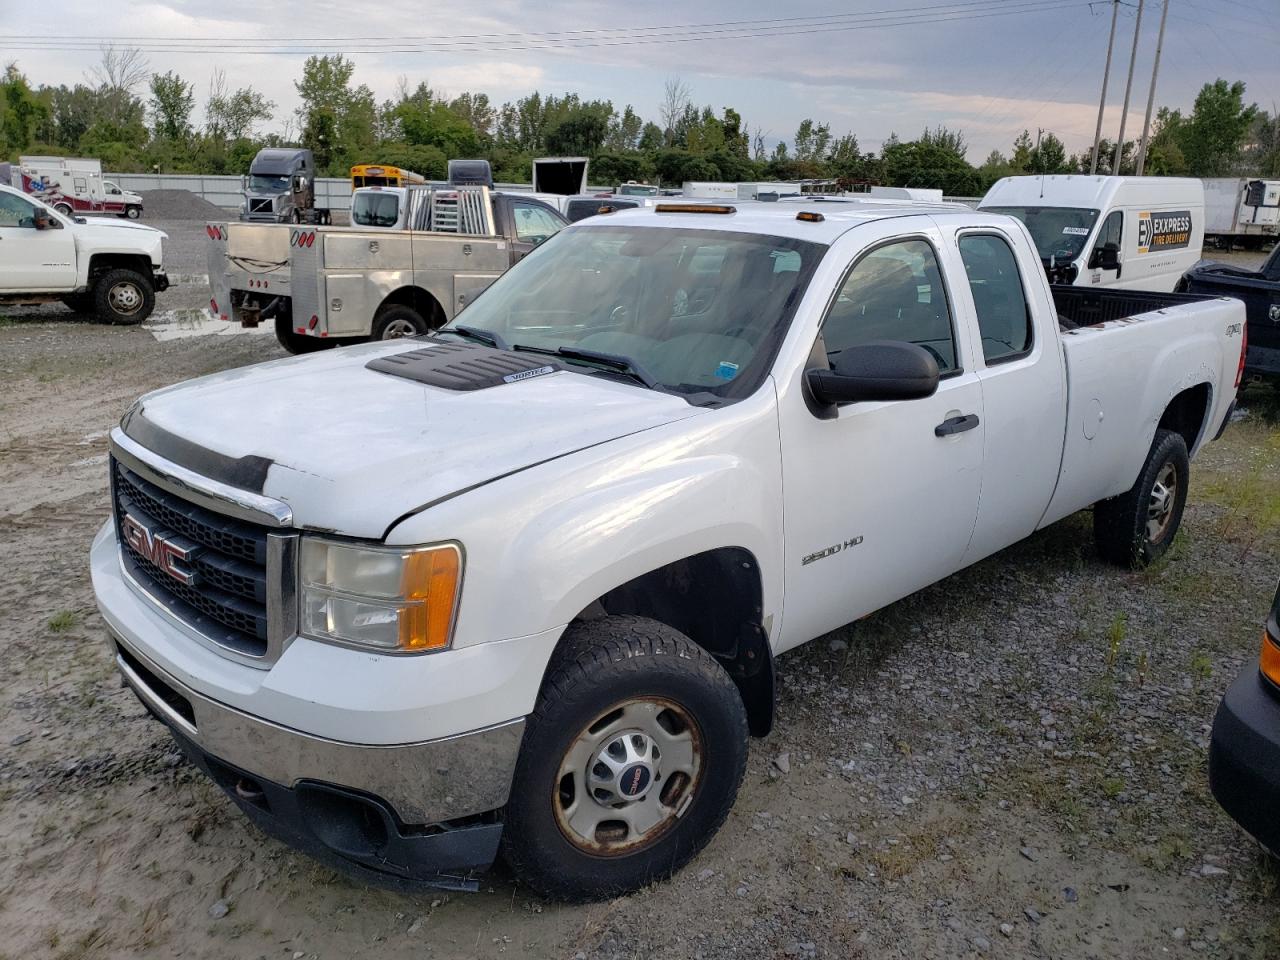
{"points": [[123, 297], [133, 212], [650, 679], [297, 343], [64, 209], [398, 321], [1137, 528], [295, 217]]}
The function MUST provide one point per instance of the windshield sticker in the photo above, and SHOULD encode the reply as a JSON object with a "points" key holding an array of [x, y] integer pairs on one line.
{"points": [[1076, 231], [1169, 230], [726, 370]]}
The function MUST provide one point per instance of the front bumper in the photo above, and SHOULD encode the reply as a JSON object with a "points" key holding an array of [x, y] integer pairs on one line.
{"points": [[1244, 756], [159, 281], [355, 807]]}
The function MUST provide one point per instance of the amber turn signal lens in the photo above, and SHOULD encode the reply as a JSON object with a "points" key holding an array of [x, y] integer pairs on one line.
{"points": [[1269, 659], [430, 576]]}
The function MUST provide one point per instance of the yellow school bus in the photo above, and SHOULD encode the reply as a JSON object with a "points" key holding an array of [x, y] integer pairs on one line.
{"points": [[381, 175]]}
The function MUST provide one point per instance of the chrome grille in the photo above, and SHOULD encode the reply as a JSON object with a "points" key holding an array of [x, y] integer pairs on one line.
{"points": [[227, 598]]}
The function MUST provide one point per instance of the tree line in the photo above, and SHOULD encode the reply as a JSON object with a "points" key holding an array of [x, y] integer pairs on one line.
{"points": [[136, 120]]}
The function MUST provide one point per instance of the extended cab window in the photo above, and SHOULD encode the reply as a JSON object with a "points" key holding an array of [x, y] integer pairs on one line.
{"points": [[1004, 317], [375, 209], [533, 224], [895, 292], [16, 212]]}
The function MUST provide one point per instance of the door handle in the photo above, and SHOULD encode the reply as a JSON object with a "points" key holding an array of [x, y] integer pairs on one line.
{"points": [[948, 428]]}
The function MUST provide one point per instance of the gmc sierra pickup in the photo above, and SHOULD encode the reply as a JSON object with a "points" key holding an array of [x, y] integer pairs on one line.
{"points": [[108, 268], [518, 587]]}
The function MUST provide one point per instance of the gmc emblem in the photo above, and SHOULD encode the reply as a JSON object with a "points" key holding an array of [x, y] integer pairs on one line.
{"points": [[166, 550]]}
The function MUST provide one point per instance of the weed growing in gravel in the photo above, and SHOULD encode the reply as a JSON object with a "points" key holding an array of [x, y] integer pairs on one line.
{"points": [[63, 620], [1115, 639]]}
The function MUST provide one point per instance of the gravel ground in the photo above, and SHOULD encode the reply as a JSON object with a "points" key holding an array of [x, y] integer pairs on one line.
{"points": [[1010, 763]]}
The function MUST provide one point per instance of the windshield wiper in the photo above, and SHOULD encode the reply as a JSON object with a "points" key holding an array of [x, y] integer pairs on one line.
{"points": [[475, 333], [614, 362]]}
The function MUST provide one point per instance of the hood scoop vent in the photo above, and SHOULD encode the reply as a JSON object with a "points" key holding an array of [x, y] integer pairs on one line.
{"points": [[463, 366]]}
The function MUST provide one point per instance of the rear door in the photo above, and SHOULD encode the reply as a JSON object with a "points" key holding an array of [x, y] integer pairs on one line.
{"points": [[879, 501], [1023, 380], [32, 259]]}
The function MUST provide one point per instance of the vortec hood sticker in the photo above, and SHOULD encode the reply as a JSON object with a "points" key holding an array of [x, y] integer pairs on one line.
{"points": [[526, 374], [1164, 230]]}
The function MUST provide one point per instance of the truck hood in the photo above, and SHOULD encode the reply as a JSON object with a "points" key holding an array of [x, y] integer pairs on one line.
{"points": [[109, 231], [352, 450]]}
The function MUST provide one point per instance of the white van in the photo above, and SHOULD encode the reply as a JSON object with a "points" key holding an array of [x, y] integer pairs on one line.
{"points": [[1137, 232]]}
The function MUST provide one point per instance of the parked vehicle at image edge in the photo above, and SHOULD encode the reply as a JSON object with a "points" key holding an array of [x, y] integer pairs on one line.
{"points": [[1137, 233], [281, 188], [71, 186], [1241, 211], [322, 287], [111, 269], [1244, 747], [1260, 292], [519, 588]]}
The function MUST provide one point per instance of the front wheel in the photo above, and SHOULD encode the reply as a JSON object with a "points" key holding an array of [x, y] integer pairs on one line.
{"points": [[630, 762], [133, 212], [123, 296], [1137, 528], [63, 208]]}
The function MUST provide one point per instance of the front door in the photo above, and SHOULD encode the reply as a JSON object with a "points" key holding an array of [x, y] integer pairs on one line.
{"points": [[31, 259], [531, 224], [881, 498]]}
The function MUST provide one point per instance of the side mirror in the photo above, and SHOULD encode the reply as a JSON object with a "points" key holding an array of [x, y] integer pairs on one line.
{"points": [[880, 370], [299, 183], [1105, 257]]}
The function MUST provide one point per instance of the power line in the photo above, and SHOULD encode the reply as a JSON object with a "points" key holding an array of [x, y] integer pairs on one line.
{"points": [[549, 43]]}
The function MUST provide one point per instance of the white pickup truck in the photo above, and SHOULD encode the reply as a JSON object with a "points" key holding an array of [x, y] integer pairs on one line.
{"points": [[518, 587], [112, 269]]}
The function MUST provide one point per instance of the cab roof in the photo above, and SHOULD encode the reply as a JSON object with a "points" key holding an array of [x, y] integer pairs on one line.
{"points": [[839, 215]]}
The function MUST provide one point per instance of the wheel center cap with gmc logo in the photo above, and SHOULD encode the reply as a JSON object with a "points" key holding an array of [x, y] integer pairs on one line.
{"points": [[634, 780]]}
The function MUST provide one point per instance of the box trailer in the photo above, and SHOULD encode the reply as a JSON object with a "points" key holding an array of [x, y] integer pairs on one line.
{"points": [[1241, 211]]}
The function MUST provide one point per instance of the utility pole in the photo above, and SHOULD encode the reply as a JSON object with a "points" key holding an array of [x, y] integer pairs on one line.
{"points": [[1106, 77], [1128, 87], [1151, 96]]}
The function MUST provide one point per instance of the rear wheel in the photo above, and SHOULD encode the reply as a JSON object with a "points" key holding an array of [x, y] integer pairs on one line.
{"points": [[123, 296], [1137, 528], [299, 342], [399, 320], [630, 762], [63, 208]]}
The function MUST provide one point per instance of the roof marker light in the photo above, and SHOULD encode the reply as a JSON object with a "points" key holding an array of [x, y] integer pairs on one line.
{"points": [[808, 216], [694, 208]]}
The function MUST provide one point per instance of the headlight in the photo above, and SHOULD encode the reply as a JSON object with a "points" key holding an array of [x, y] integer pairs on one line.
{"points": [[398, 599]]}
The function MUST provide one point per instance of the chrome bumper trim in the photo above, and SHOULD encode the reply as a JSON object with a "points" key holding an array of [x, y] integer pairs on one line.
{"points": [[426, 782]]}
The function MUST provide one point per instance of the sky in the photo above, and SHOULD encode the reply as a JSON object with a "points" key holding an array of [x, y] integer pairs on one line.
{"points": [[989, 68]]}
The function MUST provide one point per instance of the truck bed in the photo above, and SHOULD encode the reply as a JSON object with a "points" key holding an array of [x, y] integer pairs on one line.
{"points": [[1127, 355], [1087, 307]]}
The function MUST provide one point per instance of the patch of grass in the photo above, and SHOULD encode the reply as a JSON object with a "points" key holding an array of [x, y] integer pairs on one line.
{"points": [[1116, 633], [1112, 787], [63, 620], [1201, 665]]}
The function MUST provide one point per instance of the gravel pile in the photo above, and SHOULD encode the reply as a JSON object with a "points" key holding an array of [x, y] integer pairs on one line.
{"points": [[179, 205]]}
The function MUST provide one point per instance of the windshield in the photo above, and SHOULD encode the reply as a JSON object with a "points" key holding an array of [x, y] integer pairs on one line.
{"points": [[637, 190], [1059, 232], [699, 311], [375, 209], [268, 183]]}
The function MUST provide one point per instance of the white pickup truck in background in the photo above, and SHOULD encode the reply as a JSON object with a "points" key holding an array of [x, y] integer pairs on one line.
{"points": [[109, 268], [518, 588]]}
